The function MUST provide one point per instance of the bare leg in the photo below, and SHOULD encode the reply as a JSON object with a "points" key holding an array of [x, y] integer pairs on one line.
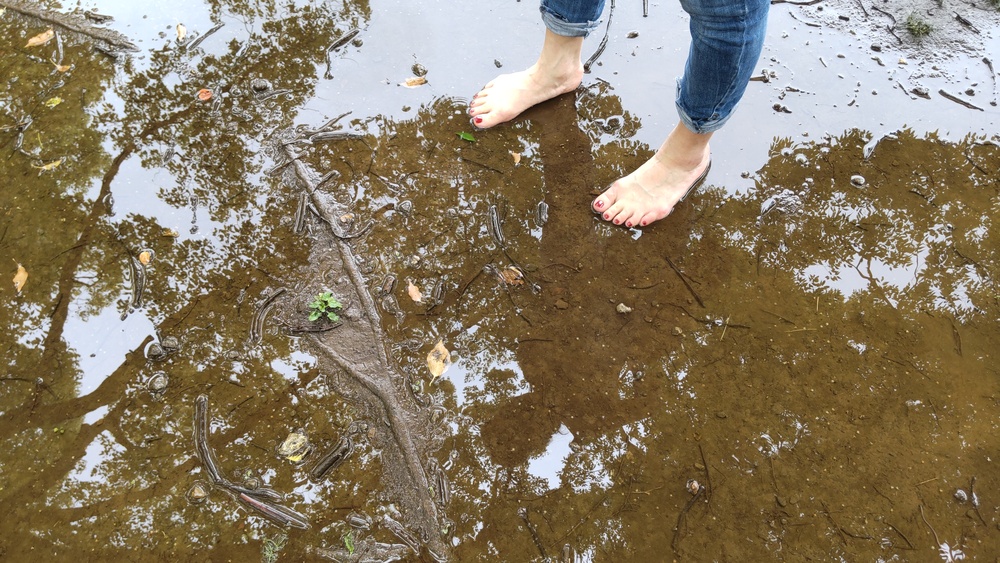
{"points": [[651, 192], [557, 71]]}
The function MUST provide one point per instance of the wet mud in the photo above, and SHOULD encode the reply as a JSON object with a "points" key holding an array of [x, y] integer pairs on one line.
{"points": [[798, 363]]}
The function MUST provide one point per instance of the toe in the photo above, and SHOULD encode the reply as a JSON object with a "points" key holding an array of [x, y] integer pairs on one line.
{"points": [[602, 202]]}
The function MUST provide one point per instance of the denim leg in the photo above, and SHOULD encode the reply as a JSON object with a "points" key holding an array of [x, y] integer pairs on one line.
{"points": [[726, 40], [571, 18]]}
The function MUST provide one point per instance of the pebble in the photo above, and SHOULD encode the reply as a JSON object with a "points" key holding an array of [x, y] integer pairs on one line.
{"points": [[858, 180], [623, 308]]}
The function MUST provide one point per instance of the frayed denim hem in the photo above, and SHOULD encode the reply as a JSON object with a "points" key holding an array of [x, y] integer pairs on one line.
{"points": [[560, 26]]}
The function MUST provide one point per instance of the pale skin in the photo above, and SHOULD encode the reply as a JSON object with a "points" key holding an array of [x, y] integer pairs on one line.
{"points": [[646, 195]]}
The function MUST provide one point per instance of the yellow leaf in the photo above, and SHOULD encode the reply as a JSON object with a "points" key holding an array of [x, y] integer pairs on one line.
{"points": [[42, 38], [62, 68], [438, 360], [145, 256], [517, 157], [181, 32], [170, 233], [53, 102], [414, 291], [415, 81], [20, 277], [48, 167]]}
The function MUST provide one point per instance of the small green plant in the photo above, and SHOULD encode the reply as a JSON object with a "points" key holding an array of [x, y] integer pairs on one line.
{"points": [[324, 305], [917, 26], [270, 548]]}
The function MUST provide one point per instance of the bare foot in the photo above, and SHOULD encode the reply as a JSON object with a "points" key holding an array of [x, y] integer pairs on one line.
{"points": [[650, 192], [557, 71]]}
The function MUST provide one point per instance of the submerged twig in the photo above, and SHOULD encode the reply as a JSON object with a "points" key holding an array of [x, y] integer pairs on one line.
{"points": [[604, 42], [686, 284], [958, 100], [336, 45], [523, 514]]}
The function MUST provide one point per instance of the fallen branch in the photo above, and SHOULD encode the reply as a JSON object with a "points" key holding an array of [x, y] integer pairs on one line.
{"points": [[71, 22]]}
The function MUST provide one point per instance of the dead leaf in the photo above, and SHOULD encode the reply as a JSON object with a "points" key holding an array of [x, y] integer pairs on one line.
{"points": [[181, 32], [145, 256], [47, 167], [22, 276], [512, 276], [438, 360], [62, 68], [42, 38], [415, 81], [414, 292], [170, 233], [204, 94], [517, 157], [53, 102]]}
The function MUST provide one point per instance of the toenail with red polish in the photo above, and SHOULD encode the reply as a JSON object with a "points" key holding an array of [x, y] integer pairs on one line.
{"points": [[599, 204], [629, 225], [478, 119], [606, 216]]}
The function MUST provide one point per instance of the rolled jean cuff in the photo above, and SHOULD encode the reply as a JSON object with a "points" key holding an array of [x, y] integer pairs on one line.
{"points": [[700, 125], [560, 26]]}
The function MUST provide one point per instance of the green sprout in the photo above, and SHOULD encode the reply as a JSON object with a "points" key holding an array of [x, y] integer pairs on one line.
{"points": [[917, 26], [324, 305], [349, 542]]}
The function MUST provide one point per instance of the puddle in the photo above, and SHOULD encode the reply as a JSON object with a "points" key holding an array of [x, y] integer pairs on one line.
{"points": [[797, 363]]}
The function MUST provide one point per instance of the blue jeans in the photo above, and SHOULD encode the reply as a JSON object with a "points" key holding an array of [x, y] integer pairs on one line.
{"points": [[726, 40]]}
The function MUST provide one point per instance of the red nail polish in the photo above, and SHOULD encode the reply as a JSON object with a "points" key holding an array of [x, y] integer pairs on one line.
{"points": [[606, 216], [628, 224], [478, 119], [599, 204]]}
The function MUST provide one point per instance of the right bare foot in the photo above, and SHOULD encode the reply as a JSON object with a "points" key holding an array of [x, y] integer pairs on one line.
{"points": [[506, 96], [557, 71]]}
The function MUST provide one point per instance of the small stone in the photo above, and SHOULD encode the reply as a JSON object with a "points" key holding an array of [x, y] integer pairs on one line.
{"points": [[419, 70], [877, 48], [693, 486], [632, 34], [970, 92], [157, 384], [677, 331], [623, 308], [858, 180], [197, 493], [961, 496], [561, 304]]}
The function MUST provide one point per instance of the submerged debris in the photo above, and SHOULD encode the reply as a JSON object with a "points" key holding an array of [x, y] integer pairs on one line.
{"points": [[295, 447], [260, 499], [333, 458]]}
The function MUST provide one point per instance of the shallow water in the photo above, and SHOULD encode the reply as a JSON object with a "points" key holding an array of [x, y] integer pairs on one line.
{"points": [[810, 336]]}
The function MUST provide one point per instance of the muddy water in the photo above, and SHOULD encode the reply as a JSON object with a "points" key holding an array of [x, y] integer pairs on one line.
{"points": [[798, 363]]}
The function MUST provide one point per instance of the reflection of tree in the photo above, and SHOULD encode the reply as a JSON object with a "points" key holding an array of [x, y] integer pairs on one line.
{"points": [[203, 291], [653, 395], [796, 389]]}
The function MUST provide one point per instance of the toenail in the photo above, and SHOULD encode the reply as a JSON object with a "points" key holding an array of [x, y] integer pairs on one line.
{"points": [[599, 204], [606, 216], [478, 119], [628, 224]]}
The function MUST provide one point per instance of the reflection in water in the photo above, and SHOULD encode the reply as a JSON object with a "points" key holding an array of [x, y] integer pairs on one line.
{"points": [[817, 353]]}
